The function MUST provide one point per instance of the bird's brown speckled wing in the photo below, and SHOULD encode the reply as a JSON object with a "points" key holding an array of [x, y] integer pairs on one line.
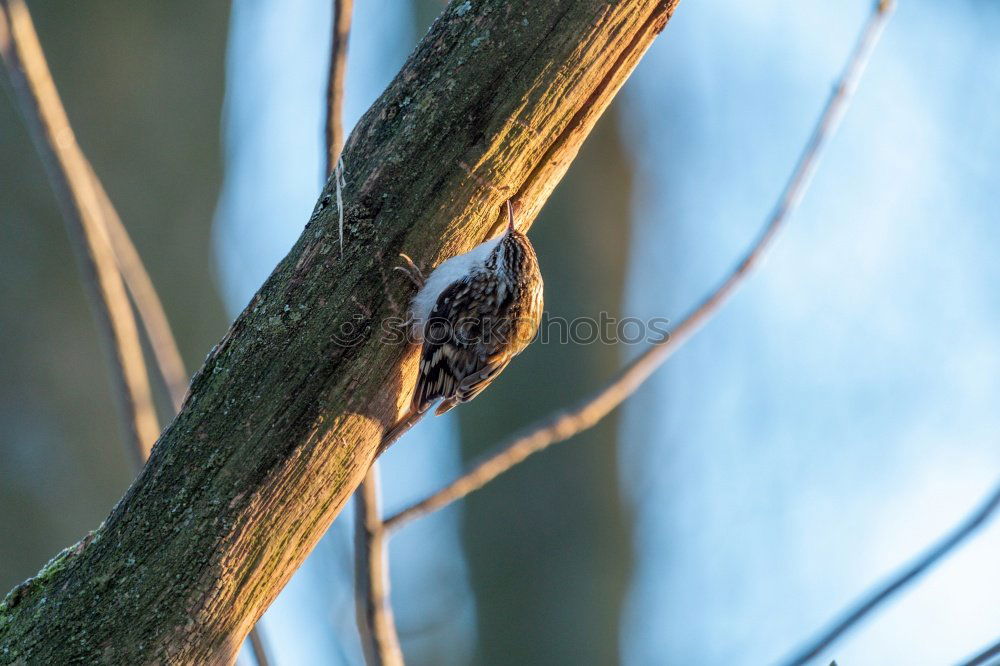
{"points": [[473, 385], [459, 358]]}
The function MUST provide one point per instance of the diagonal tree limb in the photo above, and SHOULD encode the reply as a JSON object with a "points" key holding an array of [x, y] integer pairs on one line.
{"points": [[589, 411], [71, 180], [875, 598], [283, 420]]}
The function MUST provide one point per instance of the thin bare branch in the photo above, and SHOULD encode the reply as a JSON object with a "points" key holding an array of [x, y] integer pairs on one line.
{"points": [[593, 408], [342, 10], [152, 316], [371, 578], [888, 589], [984, 657], [70, 178]]}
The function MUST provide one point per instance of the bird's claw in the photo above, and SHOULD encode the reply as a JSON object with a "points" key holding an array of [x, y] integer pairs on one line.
{"points": [[411, 270]]}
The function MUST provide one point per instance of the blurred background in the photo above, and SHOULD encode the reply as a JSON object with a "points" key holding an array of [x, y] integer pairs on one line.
{"points": [[835, 419]]}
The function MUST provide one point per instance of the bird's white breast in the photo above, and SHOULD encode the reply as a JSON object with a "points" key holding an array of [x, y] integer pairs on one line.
{"points": [[442, 277]]}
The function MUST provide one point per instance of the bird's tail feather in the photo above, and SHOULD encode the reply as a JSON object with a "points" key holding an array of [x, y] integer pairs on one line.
{"points": [[407, 421]]}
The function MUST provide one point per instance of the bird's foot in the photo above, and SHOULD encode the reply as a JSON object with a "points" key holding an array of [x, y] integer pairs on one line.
{"points": [[412, 271]]}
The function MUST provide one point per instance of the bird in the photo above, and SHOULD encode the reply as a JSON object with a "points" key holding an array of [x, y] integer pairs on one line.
{"points": [[474, 313]]}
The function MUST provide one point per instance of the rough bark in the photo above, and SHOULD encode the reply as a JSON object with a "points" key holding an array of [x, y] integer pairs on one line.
{"points": [[283, 419]]}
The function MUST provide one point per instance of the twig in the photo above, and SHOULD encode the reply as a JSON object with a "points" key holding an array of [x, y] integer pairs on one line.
{"points": [[588, 412], [900, 580], [335, 86], [70, 178], [984, 656], [147, 301], [371, 580]]}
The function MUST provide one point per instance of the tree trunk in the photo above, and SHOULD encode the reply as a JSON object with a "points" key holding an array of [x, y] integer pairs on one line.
{"points": [[284, 418]]}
